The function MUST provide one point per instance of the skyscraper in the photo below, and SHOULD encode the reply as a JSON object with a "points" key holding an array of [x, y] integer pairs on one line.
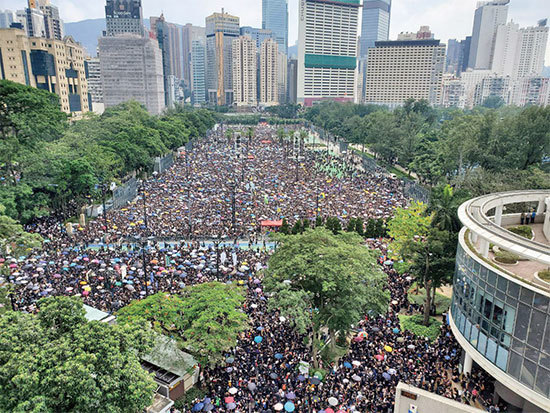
{"points": [[275, 18], [258, 35], [488, 16], [244, 53], [124, 16], [221, 30], [198, 71], [375, 25], [7, 17], [131, 69], [190, 33], [292, 81], [327, 50], [52, 22], [32, 20], [95, 88], [268, 73]]}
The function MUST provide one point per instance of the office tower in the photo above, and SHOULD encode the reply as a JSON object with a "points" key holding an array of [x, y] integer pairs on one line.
{"points": [[124, 16], [221, 30], [507, 40], [95, 88], [169, 40], [190, 33], [15, 57], [292, 82], [375, 25], [400, 70], [244, 52], [258, 35], [531, 51], [7, 17], [52, 22], [327, 50], [269, 64], [198, 70], [466, 45], [58, 67], [488, 16], [275, 18], [531, 91], [282, 62], [32, 20], [493, 86], [131, 69], [455, 53]]}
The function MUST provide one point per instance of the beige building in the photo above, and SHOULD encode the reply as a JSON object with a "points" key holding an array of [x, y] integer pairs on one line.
{"points": [[401, 70], [245, 91], [58, 66], [15, 57], [269, 79]]}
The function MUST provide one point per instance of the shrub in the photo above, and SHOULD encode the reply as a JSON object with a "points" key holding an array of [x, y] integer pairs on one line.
{"points": [[414, 325], [545, 275], [522, 230], [505, 257], [190, 396]]}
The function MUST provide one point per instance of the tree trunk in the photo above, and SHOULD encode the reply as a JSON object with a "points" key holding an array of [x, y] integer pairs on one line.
{"points": [[314, 350], [427, 303], [433, 297], [332, 341]]}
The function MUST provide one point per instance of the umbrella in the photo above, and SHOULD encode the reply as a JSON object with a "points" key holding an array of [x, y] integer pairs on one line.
{"points": [[410, 347], [229, 399], [232, 390], [289, 407], [347, 365], [376, 329], [230, 360], [198, 407], [333, 401], [258, 339], [396, 330], [290, 396], [252, 386], [278, 407], [282, 319], [208, 407], [355, 377], [356, 363], [362, 334], [315, 380], [379, 357], [400, 339], [229, 369], [278, 356], [329, 410], [386, 376], [392, 371], [388, 348], [301, 377], [273, 375], [231, 406]]}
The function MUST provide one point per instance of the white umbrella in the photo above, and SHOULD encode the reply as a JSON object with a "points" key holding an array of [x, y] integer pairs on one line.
{"points": [[278, 407], [333, 401], [356, 363], [232, 390]]}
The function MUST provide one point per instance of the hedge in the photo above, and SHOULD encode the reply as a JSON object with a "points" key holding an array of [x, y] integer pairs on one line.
{"points": [[522, 230], [414, 324]]}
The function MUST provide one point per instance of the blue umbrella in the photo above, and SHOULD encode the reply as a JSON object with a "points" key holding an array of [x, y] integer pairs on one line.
{"points": [[260, 328], [396, 330], [447, 358], [258, 339], [289, 407], [198, 407], [301, 378], [347, 365], [278, 356]]}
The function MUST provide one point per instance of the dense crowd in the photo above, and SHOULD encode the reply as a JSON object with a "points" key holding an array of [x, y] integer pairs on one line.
{"points": [[219, 193]]}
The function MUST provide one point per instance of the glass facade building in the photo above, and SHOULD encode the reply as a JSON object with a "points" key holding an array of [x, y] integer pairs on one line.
{"points": [[508, 323], [275, 18], [375, 25]]}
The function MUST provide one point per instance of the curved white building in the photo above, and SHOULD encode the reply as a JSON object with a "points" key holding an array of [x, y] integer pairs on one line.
{"points": [[500, 313]]}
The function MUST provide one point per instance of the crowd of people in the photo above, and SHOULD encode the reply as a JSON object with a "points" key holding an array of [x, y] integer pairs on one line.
{"points": [[204, 207]]}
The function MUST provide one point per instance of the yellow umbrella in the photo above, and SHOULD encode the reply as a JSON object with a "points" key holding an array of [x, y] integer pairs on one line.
{"points": [[388, 348]]}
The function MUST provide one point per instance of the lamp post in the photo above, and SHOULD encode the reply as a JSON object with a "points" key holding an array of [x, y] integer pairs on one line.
{"points": [[144, 197]]}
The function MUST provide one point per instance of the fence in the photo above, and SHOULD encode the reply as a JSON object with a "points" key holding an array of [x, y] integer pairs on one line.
{"points": [[415, 191], [125, 193], [163, 163]]}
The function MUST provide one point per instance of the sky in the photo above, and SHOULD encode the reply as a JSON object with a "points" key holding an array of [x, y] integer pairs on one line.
{"points": [[448, 19]]}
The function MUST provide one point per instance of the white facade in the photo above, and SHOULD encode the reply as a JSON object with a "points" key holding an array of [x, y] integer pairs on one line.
{"points": [[488, 16], [7, 17], [198, 70], [269, 78], [282, 68], [244, 71], [507, 40], [95, 87], [452, 93], [327, 50], [32, 21], [400, 70], [494, 86], [531, 91], [131, 69], [470, 80]]}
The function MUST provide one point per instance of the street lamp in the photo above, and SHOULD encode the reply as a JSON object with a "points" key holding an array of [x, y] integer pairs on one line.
{"points": [[144, 197]]}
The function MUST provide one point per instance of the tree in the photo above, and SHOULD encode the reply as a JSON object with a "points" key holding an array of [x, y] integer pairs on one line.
{"points": [[14, 238], [58, 362], [351, 225], [205, 319], [321, 280], [285, 229], [444, 207], [408, 224], [359, 227]]}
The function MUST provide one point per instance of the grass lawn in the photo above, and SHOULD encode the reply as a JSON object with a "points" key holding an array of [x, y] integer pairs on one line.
{"points": [[5, 304], [442, 303], [413, 323]]}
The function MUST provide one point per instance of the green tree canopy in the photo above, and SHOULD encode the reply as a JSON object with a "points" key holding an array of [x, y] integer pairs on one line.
{"points": [[58, 362]]}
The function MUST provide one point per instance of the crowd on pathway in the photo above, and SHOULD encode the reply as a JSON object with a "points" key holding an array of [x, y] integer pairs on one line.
{"points": [[194, 200]]}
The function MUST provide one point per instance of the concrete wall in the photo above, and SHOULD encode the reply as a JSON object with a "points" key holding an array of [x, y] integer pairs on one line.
{"points": [[410, 399]]}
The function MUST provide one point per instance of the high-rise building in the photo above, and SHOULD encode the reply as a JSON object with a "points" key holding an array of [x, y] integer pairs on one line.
{"points": [[7, 17], [292, 81], [520, 52], [327, 50], [375, 25], [455, 52], [15, 57], [531, 91], [131, 69], [245, 92], [488, 16], [471, 79], [258, 35], [52, 22], [400, 70], [282, 75], [95, 88], [198, 70], [452, 92], [269, 90], [424, 33], [275, 18], [124, 16], [169, 39], [221, 30], [466, 45], [58, 67], [493, 86], [190, 33], [33, 22]]}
